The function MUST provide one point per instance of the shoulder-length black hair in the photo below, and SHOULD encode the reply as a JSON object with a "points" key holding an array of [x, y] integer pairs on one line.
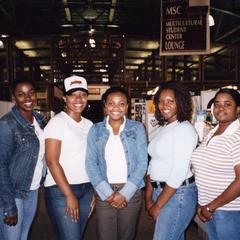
{"points": [[183, 102]]}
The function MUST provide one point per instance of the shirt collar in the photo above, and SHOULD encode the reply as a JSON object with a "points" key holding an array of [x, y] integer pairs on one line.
{"points": [[110, 128], [230, 129]]}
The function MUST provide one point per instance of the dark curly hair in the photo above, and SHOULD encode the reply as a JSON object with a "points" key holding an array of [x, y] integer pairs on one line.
{"points": [[183, 102]]}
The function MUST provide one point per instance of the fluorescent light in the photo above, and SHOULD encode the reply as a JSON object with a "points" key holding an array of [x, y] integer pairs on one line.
{"points": [[30, 53], [66, 25], [113, 25], [91, 31], [5, 35], [211, 20], [89, 14], [92, 42], [104, 79], [24, 44], [1, 44], [78, 70]]}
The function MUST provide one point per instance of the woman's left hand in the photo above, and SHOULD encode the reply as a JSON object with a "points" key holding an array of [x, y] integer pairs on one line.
{"points": [[72, 207], [154, 211], [204, 214]]}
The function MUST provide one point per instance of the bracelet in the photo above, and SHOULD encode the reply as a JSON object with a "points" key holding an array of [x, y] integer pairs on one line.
{"points": [[209, 210]]}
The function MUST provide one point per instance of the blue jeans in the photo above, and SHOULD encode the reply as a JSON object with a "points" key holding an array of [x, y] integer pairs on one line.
{"points": [[65, 228], [224, 225], [26, 212], [176, 214]]}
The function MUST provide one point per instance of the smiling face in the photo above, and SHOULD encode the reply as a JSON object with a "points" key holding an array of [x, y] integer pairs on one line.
{"points": [[116, 106], [225, 109], [167, 105], [25, 97], [76, 103]]}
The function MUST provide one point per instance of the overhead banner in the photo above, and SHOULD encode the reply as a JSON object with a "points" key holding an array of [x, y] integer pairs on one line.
{"points": [[184, 27]]}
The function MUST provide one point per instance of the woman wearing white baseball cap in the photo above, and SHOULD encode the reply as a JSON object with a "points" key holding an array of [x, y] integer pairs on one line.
{"points": [[68, 192]]}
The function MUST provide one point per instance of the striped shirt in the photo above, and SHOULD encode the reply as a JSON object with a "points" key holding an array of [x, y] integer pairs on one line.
{"points": [[213, 164]]}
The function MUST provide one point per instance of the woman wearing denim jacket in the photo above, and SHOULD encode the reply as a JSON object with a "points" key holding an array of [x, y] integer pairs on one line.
{"points": [[171, 194], [21, 162], [116, 162]]}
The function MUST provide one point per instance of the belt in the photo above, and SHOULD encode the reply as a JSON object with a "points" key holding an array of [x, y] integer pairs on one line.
{"points": [[156, 184]]}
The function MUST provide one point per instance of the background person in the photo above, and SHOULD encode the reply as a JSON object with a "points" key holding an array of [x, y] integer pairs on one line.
{"points": [[171, 194], [216, 164], [21, 162], [116, 162], [68, 192]]}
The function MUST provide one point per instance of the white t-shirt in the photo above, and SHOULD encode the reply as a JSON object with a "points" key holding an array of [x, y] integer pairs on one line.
{"points": [[170, 149], [73, 137], [115, 157], [37, 176]]}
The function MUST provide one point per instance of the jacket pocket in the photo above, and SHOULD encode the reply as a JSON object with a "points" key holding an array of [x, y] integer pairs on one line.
{"points": [[23, 141], [131, 135]]}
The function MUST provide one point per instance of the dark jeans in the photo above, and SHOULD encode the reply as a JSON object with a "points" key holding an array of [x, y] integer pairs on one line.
{"points": [[65, 228], [118, 224]]}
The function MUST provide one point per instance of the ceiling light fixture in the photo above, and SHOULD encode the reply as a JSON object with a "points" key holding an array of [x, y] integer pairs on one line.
{"points": [[1, 44], [113, 26], [92, 42], [5, 35], [105, 79], [91, 31], [211, 20], [89, 14], [66, 25]]}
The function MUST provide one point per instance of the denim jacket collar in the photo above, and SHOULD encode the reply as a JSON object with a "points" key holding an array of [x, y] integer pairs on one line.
{"points": [[22, 121], [127, 125]]}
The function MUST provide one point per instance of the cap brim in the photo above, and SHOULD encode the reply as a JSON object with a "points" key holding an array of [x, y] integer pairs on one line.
{"points": [[76, 89]]}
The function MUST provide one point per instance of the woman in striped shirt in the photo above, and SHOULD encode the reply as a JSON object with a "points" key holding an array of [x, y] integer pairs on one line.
{"points": [[216, 164]]}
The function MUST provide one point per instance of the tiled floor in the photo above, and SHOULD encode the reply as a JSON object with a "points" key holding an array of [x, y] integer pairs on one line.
{"points": [[42, 229]]}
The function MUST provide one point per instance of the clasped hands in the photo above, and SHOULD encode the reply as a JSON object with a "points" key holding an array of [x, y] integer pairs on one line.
{"points": [[204, 213], [117, 200]]}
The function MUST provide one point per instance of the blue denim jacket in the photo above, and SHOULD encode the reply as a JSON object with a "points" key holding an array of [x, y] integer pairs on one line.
{"points": [[19, 148], [134, 142]]}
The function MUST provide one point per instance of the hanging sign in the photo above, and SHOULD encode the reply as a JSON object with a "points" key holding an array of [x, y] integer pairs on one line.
{"points": [[184, 27]]}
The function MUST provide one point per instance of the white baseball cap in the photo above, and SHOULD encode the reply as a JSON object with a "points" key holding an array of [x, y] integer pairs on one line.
{"points": [[75, 83]]}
